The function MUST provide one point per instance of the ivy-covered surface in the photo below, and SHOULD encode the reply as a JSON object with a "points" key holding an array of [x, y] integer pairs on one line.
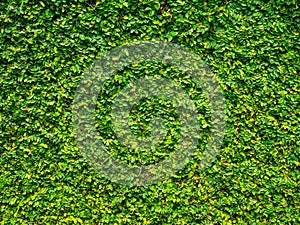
{"points": [[253, 48]]}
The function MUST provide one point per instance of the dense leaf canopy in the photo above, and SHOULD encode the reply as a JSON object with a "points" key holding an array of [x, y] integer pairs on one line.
{"points": [[251, 46]]}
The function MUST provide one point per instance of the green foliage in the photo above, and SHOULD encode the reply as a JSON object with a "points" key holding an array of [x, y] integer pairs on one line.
{"points": [[253, 48]]}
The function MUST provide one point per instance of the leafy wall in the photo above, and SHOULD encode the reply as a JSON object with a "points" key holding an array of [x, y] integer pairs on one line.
{"points": [[253, 48]]}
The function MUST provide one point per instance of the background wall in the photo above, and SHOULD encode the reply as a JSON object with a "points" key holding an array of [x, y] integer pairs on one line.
{"points": [[252, 47]]}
